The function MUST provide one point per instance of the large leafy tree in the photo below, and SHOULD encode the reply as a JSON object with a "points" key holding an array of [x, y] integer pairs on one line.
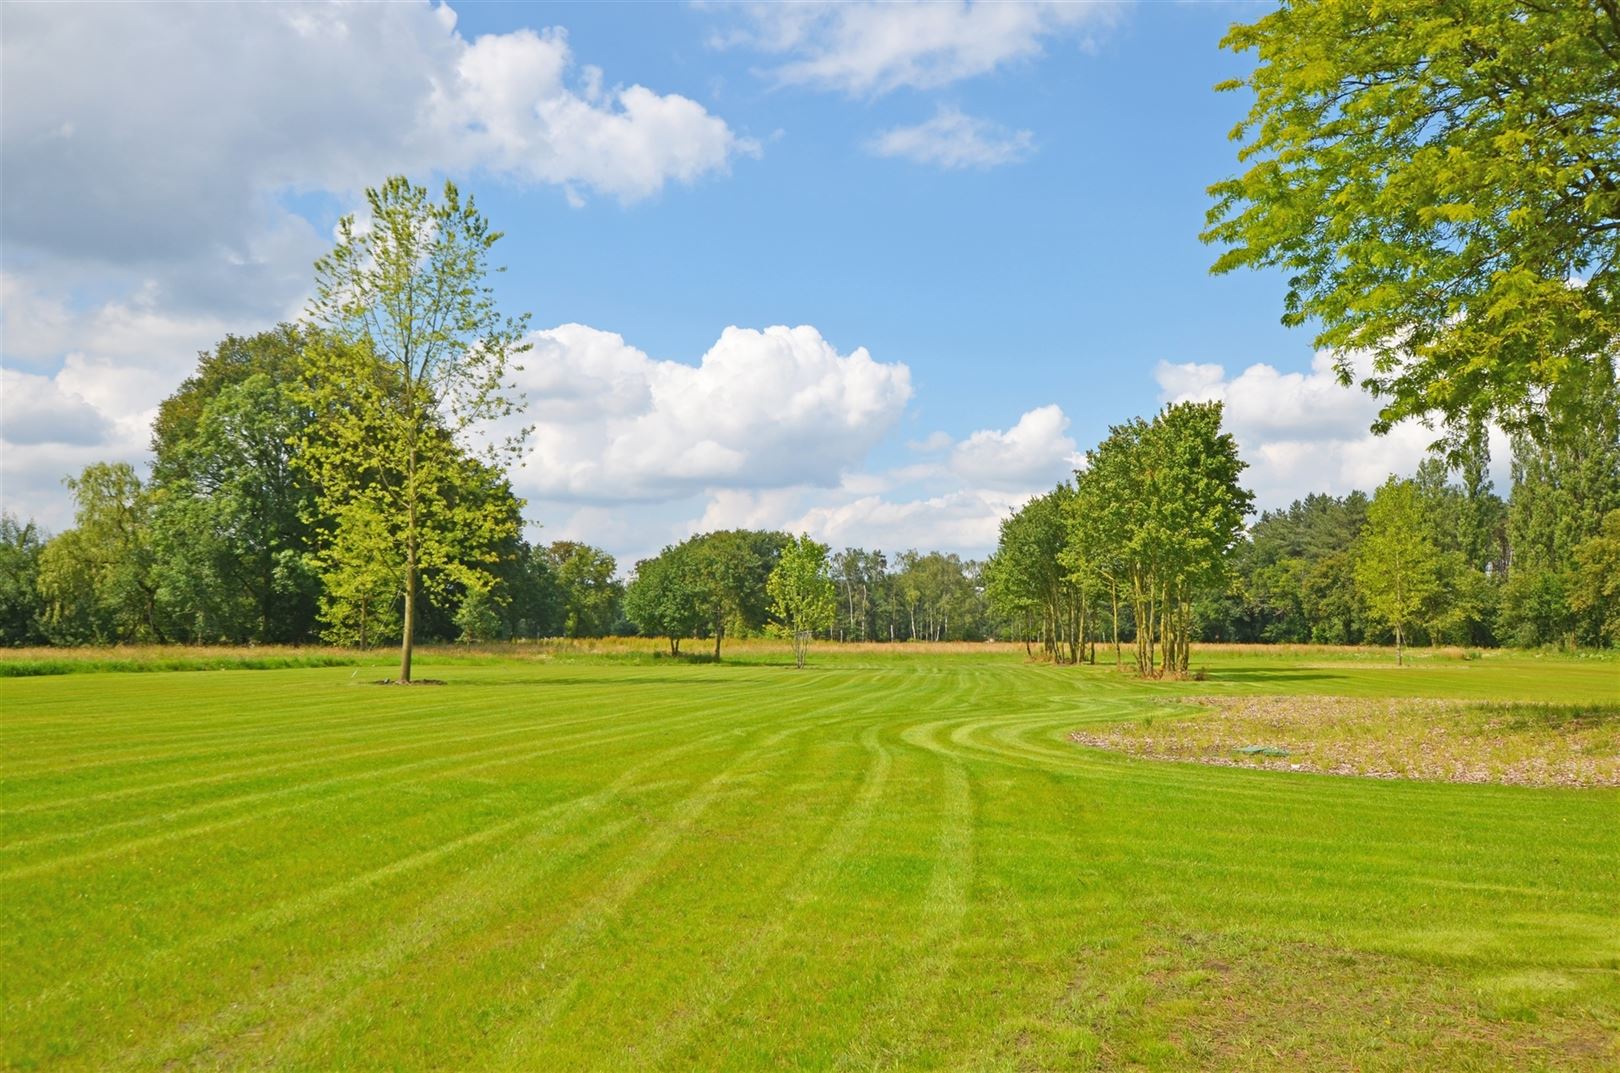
{"points": [[1594, 588], [534, 603], [1440, 180], [20, 547], [803, 597], [730, 568], [666, 598], [410, 365], [1160, 509], [1564, 483], [1036, 578], [98, 581], [232, 512], [590, 590]]}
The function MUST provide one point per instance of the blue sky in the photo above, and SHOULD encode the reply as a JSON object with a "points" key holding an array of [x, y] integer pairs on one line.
{"points": [[982, 223]]}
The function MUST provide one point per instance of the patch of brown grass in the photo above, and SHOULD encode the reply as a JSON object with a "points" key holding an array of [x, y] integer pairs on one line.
{"points": [[1399, 738]]}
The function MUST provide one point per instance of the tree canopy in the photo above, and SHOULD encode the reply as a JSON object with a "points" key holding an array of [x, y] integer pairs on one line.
{"points": [[800, 587], [412, 355], [1157, 513], [1397, 564], [1441, 184]]}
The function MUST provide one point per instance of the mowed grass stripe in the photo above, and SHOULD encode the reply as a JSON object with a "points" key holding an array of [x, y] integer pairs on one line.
{"points": [[442, 762], [715, 875], [205, 850], [604, 900], [314, 999], [447, 732], [451, 711], [294, 908], [672, 727]]}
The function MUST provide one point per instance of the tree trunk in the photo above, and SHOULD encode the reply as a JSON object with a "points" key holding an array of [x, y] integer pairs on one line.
{"points": [[1119, 655], [407, 638], [719, 632]]}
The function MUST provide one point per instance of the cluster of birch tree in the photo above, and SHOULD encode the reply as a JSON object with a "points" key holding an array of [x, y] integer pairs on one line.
{"points": [[1147, 527], [1148, 546]]}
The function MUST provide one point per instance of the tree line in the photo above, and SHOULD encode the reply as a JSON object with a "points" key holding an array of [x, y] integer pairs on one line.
{"points": [[1149, 533], [220, 544]]}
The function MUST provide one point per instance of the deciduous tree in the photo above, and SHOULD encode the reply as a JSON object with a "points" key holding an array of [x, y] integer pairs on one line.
{"points": [[1441, 184], [411, 361], [665, 598], [1397, 564], [803, 598]]}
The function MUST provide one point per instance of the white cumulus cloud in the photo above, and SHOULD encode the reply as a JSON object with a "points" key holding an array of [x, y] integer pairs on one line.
{"points": [[150, 156], [761, 409], [1037, 451], [1304, 432], [301, 97], [954, 140], [873, 48]]}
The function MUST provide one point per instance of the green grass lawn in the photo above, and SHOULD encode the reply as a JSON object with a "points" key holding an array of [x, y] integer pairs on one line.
{"points": [[885, 861]]}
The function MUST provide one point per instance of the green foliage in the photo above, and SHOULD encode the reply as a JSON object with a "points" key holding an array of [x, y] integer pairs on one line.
{"points": [[98, 581], [1157, 514], [729, 568], [1433, 178], [802, 596], [936, 595], [1594, 588], [665, 598], [1398, 568], [862, 577], [534, 603], [20, 607], [479, 618], [1038, 580], [232, 509], [412, 356], [589, 589]]}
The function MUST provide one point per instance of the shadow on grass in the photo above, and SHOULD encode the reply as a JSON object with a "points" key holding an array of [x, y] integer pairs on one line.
{"points": [[573, 682], [1533, 716], [1272, 676]]}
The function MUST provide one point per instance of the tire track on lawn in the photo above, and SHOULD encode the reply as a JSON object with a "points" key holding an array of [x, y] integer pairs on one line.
{"points": [[502, 756], [291, 910], [818, 718], [914, 993], [747, 959], [576, 932]]}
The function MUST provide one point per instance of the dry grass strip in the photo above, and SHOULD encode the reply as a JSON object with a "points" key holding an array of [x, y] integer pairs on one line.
{"points": [[1385, 738]]}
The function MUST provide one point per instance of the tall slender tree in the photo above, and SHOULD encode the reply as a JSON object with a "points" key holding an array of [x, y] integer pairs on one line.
{"points": [[1397, 564], [410, 367], [803, 598]]}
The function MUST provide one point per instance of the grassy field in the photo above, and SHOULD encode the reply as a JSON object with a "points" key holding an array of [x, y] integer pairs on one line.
{"points": [[894, 859]]}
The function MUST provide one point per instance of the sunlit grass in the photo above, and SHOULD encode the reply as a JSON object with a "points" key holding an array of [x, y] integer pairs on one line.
{"points": [[567, 859]]}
